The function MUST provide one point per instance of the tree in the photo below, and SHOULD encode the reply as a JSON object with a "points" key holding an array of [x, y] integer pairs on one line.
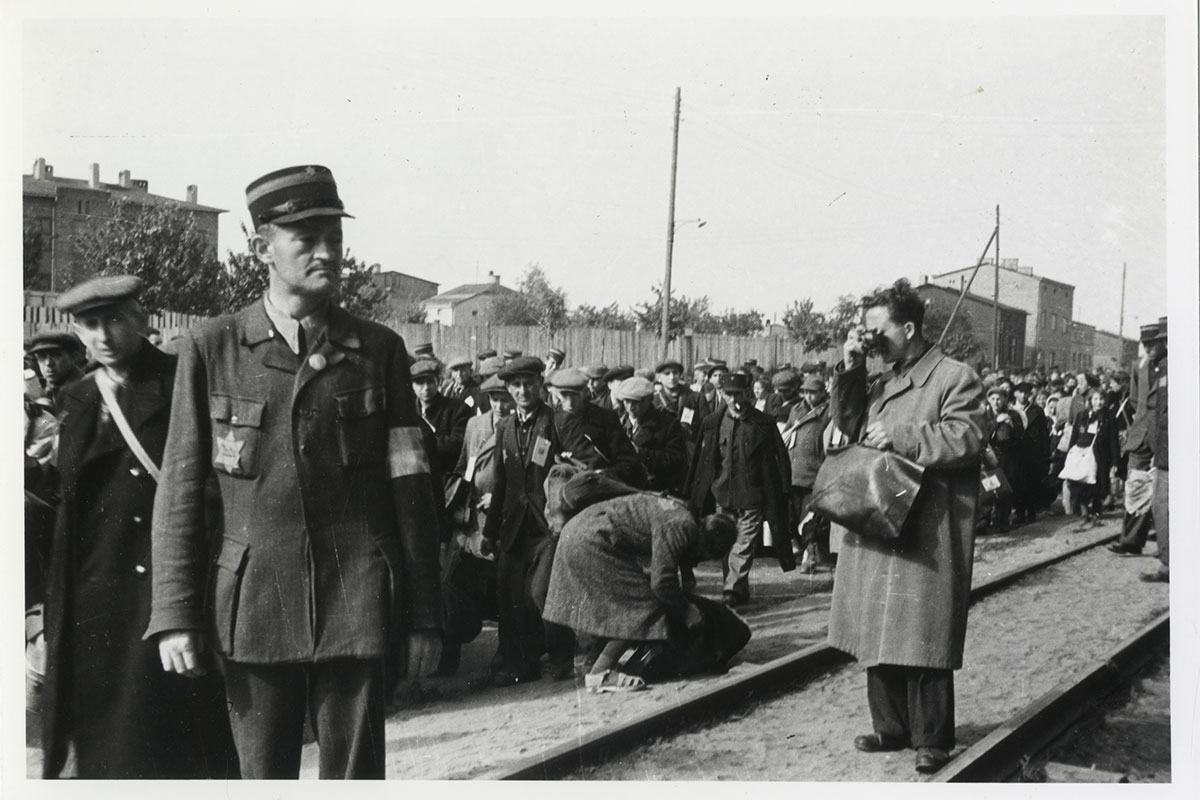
{"points": [[610, 317], [685, 313], [33, 246], [808, 327], [737, 323], [536, 302], [843, 316], [960, 342], [161, 244]]}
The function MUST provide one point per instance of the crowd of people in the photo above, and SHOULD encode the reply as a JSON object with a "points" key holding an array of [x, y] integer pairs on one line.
{"points": [[284, 515]]}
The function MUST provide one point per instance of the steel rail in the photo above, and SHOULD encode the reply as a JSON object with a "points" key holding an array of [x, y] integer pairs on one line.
{"points": [[1003, 752], [599, 746]]}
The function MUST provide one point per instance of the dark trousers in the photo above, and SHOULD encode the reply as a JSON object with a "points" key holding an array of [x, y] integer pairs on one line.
{"points": [[344, 699], [1134, 530], [913, 704], [522, 581]]}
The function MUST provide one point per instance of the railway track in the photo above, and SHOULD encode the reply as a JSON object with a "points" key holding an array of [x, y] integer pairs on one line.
{"points": [[604, 745], [1005, 752]]}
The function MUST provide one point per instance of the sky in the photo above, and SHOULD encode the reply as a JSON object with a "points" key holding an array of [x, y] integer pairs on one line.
{"points": [[826, 155]]}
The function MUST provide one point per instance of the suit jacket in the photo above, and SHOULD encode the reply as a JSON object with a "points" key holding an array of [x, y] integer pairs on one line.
{"points": [[660, 444], [330, 547], [763, 442], [806, 443], [448, 419], [133, 715], [517, 514]]}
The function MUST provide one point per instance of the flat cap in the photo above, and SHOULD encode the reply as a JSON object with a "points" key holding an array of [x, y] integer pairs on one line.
{"points": [[571, 378], [423, 349], [663, 366], [293, 194], [813, 383], [486, 354], [713, 366], [54, 340], [525, 366], [557, 353], [734, 381], [619, 373], [461, 361], [106, 290], [511, 354], [490, 366], [597, 372], [785, 379], [997, 388], [425, 368], [634, 388], [493, 385]]}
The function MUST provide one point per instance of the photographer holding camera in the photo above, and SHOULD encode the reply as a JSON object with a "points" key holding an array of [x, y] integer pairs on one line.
{"points": [[900, 606]]}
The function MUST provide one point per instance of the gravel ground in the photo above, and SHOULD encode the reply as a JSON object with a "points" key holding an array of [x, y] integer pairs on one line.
{"points": [[1020, 644]]}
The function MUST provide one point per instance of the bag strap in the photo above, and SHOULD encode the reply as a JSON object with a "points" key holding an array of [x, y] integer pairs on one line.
{"points": [[105, 384]]}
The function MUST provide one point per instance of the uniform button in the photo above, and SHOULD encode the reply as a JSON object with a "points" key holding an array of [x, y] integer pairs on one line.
{"points": [[271, 334], [317, 361], [137, 519], [140, 569], [135, 472], [233, 420]]}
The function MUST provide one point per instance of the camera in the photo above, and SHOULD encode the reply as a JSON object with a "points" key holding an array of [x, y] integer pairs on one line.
{"points": [[870, 341]]}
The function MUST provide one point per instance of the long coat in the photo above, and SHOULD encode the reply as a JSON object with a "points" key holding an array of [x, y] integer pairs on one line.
{"points": [[447, 417], [616, 569], [105, 686], [763, 443], [330, 547], [905, 602]]}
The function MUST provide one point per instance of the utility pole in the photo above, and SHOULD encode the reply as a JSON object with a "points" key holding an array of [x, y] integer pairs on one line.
{"points": [[1121, 322], [666, 292], [996, 299]]}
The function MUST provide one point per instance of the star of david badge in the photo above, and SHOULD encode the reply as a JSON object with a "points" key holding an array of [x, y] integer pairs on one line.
{"points": [[229, 452]]}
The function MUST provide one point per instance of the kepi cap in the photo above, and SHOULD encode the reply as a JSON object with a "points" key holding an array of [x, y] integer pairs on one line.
{"points": [[734, 381], [293, 194]]}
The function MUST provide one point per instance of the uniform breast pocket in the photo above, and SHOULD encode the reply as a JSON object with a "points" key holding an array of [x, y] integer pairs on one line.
{"points": [[237, 434], [362, 426]]}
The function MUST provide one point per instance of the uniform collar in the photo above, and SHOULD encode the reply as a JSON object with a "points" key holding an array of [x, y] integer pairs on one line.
{"points": [[340, 326]]}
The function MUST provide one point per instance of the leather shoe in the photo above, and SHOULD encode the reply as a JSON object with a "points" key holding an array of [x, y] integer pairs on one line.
{"points": [[931, 759], [879, 743], [1122, 550], [1158, 576]]}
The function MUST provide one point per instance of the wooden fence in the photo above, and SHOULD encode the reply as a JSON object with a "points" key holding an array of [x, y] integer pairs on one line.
{"points": [[584, 346]]}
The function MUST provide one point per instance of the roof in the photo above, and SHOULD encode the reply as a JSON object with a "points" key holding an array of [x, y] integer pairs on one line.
{"points": [[48, 187], [1020, 272], [465, 292], [972, 296]]}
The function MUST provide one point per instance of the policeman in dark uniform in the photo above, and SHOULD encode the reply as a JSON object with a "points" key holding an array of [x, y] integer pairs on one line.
{"points": [[324, 585]]}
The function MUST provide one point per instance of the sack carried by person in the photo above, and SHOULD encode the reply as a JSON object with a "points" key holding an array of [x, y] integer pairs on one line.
{"points": [[1064, 442], [869, 491], [1080, 465]]}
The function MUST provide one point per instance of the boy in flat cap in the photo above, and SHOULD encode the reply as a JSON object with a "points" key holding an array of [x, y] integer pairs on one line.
{"points": [[59, 356], [445, 416], [601, 427], [106, 695], [325, 584]]}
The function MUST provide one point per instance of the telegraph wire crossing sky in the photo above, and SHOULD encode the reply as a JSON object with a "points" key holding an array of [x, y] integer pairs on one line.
{"points": [[826, 155]]}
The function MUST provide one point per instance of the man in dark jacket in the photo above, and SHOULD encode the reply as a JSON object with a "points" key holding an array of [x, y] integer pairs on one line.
{"points": [[1157, 434], [677, 398], [1034, 455], [741, 467], [601, 427], [785, 398], [527, 443], [106, 693], [656, 435], [324, 585], [804, 438], [445, 416], [59, 356]]}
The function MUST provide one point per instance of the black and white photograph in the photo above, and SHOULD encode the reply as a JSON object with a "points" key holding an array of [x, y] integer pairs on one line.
{"points": [[525, 391]]}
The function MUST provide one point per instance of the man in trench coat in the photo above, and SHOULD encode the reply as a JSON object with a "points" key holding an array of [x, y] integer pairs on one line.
{"points": [[900, 607], [326, 577]]}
